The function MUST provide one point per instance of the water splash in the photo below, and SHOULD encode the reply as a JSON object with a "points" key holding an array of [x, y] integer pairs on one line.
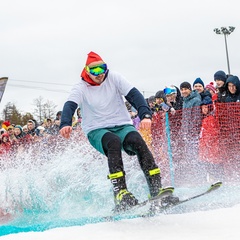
{"points": [[66, 185]]}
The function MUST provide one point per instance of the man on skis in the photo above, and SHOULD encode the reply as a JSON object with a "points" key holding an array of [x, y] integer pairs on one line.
{"points": [[108, 126]]}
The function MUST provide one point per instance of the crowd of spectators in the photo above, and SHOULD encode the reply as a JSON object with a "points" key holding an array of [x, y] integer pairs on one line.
{"points": [[194, 121], [13, 136]]}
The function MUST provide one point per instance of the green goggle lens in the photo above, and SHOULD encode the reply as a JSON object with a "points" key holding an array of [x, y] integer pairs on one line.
{"points": [[97, 70]]}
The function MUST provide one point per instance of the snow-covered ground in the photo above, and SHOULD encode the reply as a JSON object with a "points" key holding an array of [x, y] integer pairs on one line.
{"points": [[220, 224]]}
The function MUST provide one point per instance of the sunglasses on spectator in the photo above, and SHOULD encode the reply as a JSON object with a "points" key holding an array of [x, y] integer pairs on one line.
{"points": [[169, 91], [97, 70]]}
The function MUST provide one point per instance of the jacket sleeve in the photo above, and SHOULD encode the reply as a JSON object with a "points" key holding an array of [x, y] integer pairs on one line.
{"points": [[68, 111], [136, 99]]}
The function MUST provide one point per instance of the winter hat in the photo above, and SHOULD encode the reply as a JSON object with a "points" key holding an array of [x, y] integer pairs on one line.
{"points": [[185, 85], [211, 87], [31, 121], [41, 128], [19, 127], [59, 113], [206, 100], [92, 57], [5, 135], [151, 99], [220, 75], [160, 94], [6, 124], [198, 80]]}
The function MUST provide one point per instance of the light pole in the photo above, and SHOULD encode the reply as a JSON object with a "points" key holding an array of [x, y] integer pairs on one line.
{"points": [[225, 31]]}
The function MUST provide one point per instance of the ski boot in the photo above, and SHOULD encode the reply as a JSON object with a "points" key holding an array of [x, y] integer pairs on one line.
{"points": [[123, 199], [155, 187]]}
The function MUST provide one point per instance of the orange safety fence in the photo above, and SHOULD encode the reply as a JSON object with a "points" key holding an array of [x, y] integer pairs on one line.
{"points": [[192, 147]]}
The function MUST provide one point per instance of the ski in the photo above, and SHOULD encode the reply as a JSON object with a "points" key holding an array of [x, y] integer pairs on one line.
{"points": [[212, 188], [161, 209], [156, 205], [165, 192]]}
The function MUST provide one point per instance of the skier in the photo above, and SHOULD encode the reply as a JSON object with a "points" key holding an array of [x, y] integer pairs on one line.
{"points": [[108, 126]]}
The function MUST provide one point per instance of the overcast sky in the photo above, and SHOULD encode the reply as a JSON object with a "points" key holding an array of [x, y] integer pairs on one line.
{"points": [[153, 43]]}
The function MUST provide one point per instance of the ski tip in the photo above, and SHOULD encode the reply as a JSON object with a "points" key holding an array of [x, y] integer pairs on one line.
{"points": [[215, 185], [218, 183]]}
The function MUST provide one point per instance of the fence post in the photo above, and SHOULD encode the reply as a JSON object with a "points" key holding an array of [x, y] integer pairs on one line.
{"points": [[169, 150]]}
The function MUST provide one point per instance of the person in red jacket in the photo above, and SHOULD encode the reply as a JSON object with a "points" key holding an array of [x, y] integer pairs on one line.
{"points": [[209, 141], [5, 144]]}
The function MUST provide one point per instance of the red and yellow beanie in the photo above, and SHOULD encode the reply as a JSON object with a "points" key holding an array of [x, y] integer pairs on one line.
{"points": [[92, 57], [6, 124]]}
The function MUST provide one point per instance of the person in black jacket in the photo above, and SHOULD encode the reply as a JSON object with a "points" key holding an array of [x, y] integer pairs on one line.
{"points": [[233, 89], [220, 78]]}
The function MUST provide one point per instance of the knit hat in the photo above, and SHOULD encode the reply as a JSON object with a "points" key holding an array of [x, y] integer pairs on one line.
{"points": [[206, 100], [198, 80], [92, 57], [151, 99], [19, 127], [5, 124], [185, 85], [5, 135], [31, 121], [211, 87], [160, 94], [220, 75]]}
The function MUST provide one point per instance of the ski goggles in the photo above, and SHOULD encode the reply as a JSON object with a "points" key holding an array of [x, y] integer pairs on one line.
{"points": [[169, 91], [97, 70]]}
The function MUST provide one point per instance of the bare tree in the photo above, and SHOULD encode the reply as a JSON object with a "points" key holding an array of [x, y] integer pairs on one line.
{"points": [[43, 109], [49, 109]]}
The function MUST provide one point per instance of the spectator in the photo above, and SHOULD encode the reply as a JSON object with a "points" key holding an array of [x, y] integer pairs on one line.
{"points": [[210, 87], [18, 132], [5, 146], [151, 103], [31, 127], [48, 126], [58, 115], [198, 85], [11, 135], [133, 114], [209, 152], [220, 78], [233, 89], [160, 99], [190, 127], [190, 98], [174, 98], [175, 101], [79, 116], [56, 126], [25, 129]]}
